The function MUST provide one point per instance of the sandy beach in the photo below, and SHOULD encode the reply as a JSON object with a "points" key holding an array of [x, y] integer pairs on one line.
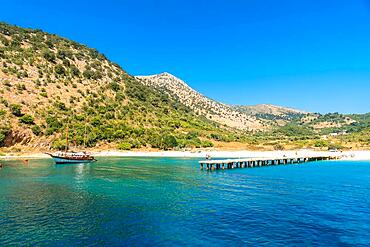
{"points": [[347, 155]]}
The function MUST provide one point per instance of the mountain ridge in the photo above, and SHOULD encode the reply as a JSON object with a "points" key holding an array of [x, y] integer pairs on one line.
{"points": [[236, 116]]}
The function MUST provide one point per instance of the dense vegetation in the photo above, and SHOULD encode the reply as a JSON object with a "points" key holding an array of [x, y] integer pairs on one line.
{"points": [[323, 131], [49, 84]]}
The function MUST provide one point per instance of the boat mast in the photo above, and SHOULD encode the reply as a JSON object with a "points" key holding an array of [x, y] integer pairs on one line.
{"points": [[74, 137], [85, 134], [67, 139]]}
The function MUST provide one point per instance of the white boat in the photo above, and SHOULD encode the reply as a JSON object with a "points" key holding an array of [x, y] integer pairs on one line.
{"points": [[65, 157]]}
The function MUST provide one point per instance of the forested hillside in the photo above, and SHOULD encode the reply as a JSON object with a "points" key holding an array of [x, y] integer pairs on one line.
{"points": [[49, 84]]}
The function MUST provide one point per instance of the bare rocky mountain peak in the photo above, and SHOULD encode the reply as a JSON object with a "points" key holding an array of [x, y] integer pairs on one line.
{"points": [[216, 111], [257, 117]]}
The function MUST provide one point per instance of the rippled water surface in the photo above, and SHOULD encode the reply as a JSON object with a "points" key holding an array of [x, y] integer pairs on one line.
{"points": [[170, 202]]}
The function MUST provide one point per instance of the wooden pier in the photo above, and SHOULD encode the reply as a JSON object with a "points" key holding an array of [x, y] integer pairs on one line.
{"points": [[258, 162]]}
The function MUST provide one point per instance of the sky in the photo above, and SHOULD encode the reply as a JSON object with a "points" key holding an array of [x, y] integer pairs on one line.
{"points": [[312, 55]]}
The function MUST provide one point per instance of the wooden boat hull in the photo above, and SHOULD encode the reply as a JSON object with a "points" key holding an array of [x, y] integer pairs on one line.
{"points": [[59, 160], [71, 160]]}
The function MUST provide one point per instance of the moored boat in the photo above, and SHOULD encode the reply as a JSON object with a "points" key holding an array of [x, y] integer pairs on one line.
{"points": [[72, 157], [65, 157]]}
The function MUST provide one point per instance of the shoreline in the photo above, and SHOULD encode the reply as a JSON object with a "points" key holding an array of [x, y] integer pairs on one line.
{"points": [[347, 155]]}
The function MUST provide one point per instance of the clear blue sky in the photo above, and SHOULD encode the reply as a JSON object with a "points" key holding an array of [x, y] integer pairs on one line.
{"points": [[308, 54]]}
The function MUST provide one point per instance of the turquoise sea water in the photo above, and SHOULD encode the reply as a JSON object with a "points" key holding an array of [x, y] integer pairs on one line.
{"points": [[170, 202]]}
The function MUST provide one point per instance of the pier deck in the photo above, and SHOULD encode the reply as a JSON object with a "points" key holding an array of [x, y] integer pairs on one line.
{"points": [[257, 162]]}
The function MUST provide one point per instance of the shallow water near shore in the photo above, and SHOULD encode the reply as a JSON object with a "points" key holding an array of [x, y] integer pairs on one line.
{"points": [[169, 201]]}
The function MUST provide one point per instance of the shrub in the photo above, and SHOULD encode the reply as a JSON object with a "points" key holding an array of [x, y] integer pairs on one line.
{"points": [[335, 146], [44, 94], [168, 142], [21, 87], [3, 132], [2, 138], [53, 124], [59, 144], [135, 143], [62, 54], [37, 83], [216, 137], [293, 130], [207, 144], [27, 119], [59, 69], [74, 70], [321, 143], [96, 121], [124, 146], [16, 110], [90, 74], [61, 106], [93, 53], [36, 130], [114, 86], [49, 56]]}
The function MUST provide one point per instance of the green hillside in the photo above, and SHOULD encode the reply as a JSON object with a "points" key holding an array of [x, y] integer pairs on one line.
{"points": [[49, 83]]}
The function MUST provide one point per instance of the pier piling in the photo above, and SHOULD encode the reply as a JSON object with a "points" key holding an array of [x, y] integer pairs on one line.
{"points": [[258, 162]]}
